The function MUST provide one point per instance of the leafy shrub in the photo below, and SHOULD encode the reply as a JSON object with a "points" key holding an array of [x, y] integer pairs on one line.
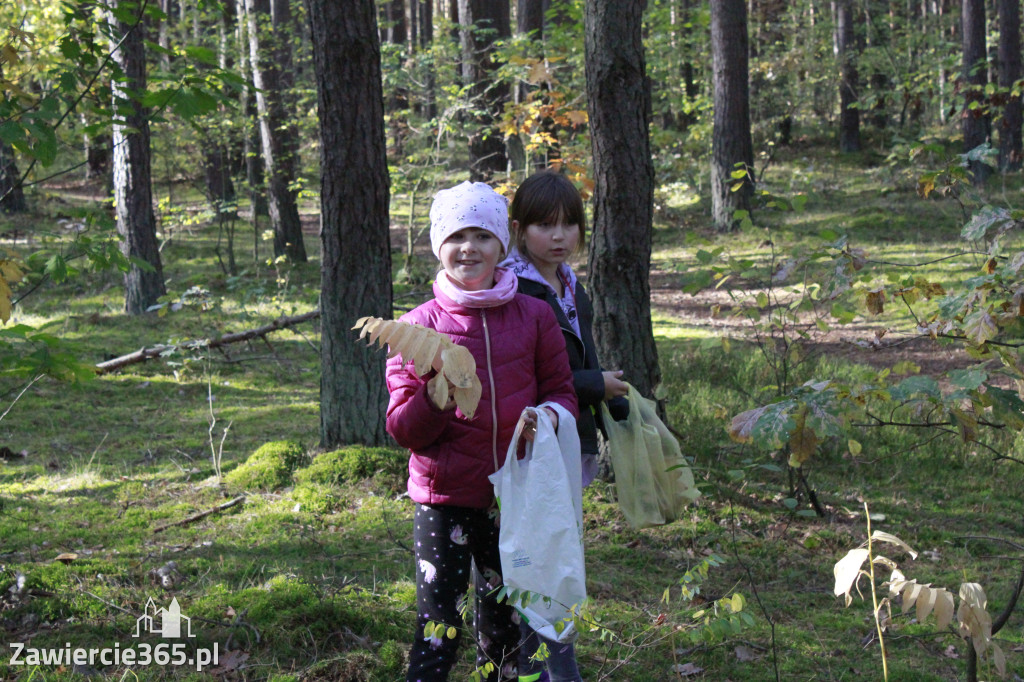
{"points": [[269, 468]]}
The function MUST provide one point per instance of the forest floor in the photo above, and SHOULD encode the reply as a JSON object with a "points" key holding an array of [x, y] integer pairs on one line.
{"points": [[104, 483]]}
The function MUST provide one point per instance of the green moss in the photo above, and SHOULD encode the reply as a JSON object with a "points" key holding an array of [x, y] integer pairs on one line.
{"points": [[313, 498], [269, 468], [355, 463]]}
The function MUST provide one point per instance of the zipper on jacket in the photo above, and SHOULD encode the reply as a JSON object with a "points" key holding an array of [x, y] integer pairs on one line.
{"points": [[494, 402]]}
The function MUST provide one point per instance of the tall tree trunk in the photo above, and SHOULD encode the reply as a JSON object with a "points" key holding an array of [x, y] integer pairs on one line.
{"points": [[220, 187], [356, 263], [975, 124], [253, 156], [12, 196], [1009, 73], [849, 114], [271, 62], [133, 191], [483, 22], [428, 108], [619, 106], [530, 17], [731, 145]]}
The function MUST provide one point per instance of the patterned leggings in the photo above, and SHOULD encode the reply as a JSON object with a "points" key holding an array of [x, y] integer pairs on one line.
{"points": [[448, 540]]}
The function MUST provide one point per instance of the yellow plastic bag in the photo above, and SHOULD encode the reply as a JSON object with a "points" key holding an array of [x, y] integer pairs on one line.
{"points": [[652, 478]]}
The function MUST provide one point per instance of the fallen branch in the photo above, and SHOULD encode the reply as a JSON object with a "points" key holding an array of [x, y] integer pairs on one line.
{"points": [[201, 515], [144, 354]]}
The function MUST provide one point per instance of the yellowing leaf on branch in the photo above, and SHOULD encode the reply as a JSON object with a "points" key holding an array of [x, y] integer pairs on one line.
{"points": [[803, 441], [975, 623], [847, 570], [742, 425], [428, 349], [882, 536], [875, 301], [980, 326]]}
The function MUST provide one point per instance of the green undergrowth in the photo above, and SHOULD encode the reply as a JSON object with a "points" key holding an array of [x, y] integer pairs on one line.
{"points": [[311, 575]]}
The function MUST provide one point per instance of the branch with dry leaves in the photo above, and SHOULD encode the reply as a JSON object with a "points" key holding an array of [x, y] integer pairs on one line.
{"points": [[144, 354]]}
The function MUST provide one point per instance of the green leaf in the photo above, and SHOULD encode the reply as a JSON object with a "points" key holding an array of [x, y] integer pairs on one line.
{"points": [[1006, 405], [57, 268], [967, 379], [984, 220], [913, 385], [202, 54]]}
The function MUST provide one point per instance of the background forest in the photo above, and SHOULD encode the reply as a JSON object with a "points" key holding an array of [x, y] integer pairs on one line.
{"points": [[805, 243]]}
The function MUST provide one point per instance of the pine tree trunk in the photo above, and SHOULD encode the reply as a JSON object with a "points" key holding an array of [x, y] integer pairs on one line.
{"points": [[1010, 146], [619, 106], [133, 192], [975, 124], [731, 146], [12, 196], [849, 114], [428, 107], [354, 195], [271, 62], [483, 22]]}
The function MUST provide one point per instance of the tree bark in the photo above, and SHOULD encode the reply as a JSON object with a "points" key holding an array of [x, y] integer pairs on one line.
{"points": [[133, 191], [849, 114], [354, 194], [250, 121], [731, 145], [12, 196], [482, 23], [975, 123], [271, 63], [530, 17], [428, 105], [1010, 145], [619, 106]]}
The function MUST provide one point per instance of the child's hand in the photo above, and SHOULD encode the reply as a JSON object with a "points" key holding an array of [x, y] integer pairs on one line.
{"points": [[529, 420], [614, 386]]}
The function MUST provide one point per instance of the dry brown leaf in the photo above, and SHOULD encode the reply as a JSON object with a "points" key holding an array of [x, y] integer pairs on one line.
{"points": [[458, 365], [425, 348], [468, 398], [440, 389]]}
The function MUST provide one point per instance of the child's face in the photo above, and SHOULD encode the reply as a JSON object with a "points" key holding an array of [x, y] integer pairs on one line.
{"points": [[551, 242], [469, 257]]}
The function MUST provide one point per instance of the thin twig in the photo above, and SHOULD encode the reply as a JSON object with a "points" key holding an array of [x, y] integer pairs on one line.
{"points": [[15, 401], [201, 515]]}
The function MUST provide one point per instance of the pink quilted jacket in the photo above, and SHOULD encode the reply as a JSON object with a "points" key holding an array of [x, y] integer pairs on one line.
{"points": [[520, 345]]}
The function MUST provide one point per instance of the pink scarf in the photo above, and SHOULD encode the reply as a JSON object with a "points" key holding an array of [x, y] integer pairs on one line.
{"points": [[505, 284]]}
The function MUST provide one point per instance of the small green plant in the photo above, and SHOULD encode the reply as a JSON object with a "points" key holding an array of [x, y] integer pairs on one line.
{"points": [[975, 624]]}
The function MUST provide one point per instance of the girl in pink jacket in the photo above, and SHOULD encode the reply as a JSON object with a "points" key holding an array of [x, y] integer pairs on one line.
{"points": [[521, 362]]}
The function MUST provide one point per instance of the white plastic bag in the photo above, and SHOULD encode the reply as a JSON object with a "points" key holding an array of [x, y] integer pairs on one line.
{"points": [[541, 534]]}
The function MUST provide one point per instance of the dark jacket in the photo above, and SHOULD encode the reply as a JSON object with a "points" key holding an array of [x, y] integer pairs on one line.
{"points": [[586, 370], [514, 344]]}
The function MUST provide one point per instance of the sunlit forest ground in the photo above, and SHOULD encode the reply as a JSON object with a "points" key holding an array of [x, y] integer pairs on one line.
{"points": [[311, 576]]}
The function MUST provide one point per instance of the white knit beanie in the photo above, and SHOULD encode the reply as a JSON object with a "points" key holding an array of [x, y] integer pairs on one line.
{"points": [[471, 204]]}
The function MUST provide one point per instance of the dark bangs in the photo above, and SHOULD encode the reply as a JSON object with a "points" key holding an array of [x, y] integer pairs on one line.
{"points": [[547, 196]]}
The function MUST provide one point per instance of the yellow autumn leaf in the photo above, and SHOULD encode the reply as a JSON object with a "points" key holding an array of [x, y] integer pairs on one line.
{"points": [[803, 441], [847, 570], [875, 301]]}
